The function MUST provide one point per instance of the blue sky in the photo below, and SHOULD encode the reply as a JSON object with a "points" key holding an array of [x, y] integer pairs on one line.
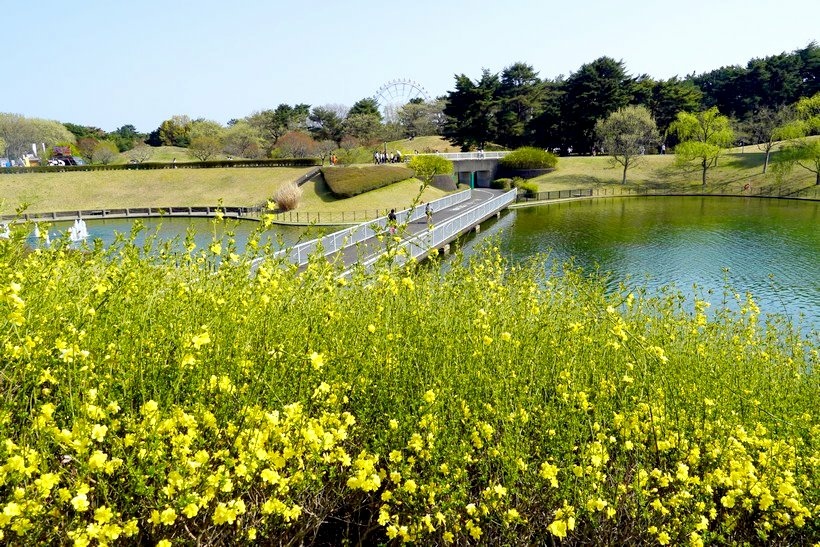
{"points": [[110, 63]]}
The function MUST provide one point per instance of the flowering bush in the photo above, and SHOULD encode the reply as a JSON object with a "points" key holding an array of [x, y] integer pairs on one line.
{"points": [[161, 398]]}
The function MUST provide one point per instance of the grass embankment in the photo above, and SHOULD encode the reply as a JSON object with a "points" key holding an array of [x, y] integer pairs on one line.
{"points": [[156, 188], [159, 400], [423, 145], [346, 182], [733, 172], [68, 191], [317, 197]]}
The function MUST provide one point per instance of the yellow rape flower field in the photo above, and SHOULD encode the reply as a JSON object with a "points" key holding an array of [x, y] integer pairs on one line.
{"points": [[161, 397]]}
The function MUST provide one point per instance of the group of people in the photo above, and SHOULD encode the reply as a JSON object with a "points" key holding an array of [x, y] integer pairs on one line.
{"points": [[384, 157], [392, 220]]}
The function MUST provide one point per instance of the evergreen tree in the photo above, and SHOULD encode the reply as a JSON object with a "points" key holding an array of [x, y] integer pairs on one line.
{"points": [[594, 92], [520, 95], [471, 111]]}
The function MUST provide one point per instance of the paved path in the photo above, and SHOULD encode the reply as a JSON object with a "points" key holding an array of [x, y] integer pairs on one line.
{"points": [[372, 247]]}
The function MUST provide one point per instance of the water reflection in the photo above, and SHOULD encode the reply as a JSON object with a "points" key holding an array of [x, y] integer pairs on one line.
{"points": [[766, 247], [175, 229]]}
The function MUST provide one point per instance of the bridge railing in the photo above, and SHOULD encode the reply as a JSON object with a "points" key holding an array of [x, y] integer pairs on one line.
{"points": [[456, 156], [337, 241], [422, 243]]}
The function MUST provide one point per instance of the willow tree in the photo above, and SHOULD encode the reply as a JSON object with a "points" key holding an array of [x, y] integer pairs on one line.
{"points": [[800, 150], [626, 134], [704, 136]]}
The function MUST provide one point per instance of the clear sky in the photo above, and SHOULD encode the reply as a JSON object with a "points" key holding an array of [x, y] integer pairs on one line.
{"points": [[109, 63]]}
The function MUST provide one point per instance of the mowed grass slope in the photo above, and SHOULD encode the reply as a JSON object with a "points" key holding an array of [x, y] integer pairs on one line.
{"points": [[250, 186], [317, 197], [431, 143], [734, 171], [155, 188]]}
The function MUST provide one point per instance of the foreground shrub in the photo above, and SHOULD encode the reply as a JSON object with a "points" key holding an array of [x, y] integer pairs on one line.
{"points": [[526, 187], [501, 184], [287, 197], [160, 397], [425, 168], [351, 181], [529, 158]]}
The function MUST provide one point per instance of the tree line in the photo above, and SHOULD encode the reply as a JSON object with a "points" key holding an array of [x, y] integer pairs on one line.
{"points": [[516, 107], [509, 109]]}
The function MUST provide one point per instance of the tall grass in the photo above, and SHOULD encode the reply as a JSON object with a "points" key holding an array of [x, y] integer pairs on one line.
{"points": [[157, 397]]}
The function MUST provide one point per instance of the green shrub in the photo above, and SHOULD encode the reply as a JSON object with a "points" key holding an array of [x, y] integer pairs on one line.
{"points": [[427, 167], [501, 184], [526, 187], [351, 181], [529, 158]]}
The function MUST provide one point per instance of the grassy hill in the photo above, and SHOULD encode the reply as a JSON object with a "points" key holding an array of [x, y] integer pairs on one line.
{"points": [[155, 188], [317, 197], [734, 171], [432, 143], [249, 186]]}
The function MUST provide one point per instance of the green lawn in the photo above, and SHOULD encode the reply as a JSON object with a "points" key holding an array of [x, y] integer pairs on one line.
{"points": [[155, 188], [422, 144], [250, 186], [733, 172]]}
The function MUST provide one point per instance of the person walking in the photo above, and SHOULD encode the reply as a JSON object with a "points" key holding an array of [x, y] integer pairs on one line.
{"points": [[428, 212], [391, 221]]}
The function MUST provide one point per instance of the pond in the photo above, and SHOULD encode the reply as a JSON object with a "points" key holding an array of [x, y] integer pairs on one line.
{"points": [[204, 229], [768, 247]]}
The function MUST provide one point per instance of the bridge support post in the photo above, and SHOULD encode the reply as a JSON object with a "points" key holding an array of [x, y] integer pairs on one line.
{"points": [[445, 250], [478, 228]]}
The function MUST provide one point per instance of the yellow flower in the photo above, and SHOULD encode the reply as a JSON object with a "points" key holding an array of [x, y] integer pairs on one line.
{"points": [[97, 460], [164, 543], [103, 514], [199, 340], [663, 538], [80, 502], [190, 510], [550, 473], [430, 396], [558, 528], [371, 328], [131, 528], [168, 516], [506, 336], [98, 432], [317, 361]]}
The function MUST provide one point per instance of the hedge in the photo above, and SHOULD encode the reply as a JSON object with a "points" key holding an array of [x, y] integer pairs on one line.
{"points": [[282, 162], [347, 182], [529, 158]]}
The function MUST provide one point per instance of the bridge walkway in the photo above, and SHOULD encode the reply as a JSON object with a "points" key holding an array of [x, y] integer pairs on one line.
{"points": [[363, 244]]}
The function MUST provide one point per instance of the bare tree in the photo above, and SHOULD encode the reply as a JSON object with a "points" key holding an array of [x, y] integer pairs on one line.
{"points": [[140, 153]]}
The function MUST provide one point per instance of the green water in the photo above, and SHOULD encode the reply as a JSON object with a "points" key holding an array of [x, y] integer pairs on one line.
{"points": [[204, 230], [770, 248]]}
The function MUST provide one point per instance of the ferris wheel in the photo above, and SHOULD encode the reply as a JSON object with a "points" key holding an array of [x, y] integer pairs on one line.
{"points": [[395, 94]]}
